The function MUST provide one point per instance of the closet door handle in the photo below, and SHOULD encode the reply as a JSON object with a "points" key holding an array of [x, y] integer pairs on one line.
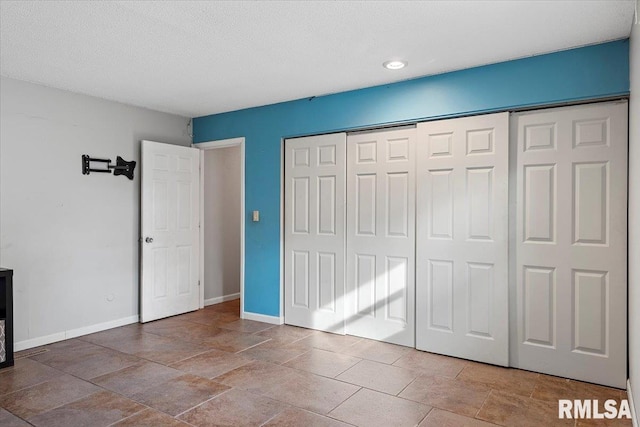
{"points": [[148, 239]]}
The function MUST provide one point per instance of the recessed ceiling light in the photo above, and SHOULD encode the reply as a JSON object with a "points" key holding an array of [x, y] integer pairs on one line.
{"points": [[394, 65]]}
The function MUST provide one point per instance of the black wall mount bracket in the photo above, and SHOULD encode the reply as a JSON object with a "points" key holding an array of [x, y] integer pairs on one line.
{"points": [[122, 167]]}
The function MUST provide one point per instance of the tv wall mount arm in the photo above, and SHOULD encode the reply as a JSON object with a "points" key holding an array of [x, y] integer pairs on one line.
{"points": [[122, 167]]}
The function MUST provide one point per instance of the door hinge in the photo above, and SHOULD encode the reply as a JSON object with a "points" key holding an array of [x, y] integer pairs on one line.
{"points": [[198, 282]]}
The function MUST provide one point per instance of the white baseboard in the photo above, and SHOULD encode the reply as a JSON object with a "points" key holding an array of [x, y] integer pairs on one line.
{"points": [[73, 333], [38, 341], [275, 320], [634, 414], [218, 300]]}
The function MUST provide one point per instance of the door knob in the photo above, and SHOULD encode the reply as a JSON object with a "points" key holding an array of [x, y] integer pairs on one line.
{"points": [[149, 239]]}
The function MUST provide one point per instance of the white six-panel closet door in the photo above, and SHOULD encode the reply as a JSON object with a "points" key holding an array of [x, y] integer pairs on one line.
{"points": [[571, 241], [462, 233], [314, 220], [380, 281]]}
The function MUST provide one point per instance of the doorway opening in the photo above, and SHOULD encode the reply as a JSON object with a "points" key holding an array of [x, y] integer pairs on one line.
{"points": [[222, 223]]}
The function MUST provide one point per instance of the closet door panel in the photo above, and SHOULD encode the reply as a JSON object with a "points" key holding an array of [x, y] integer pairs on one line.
{"points": [[314, 219], [462, 229], [380, 282], [571, 242]]}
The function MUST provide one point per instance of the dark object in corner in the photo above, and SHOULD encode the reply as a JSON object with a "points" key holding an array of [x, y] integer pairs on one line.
{"points": [[6, 318], [122, 167]]}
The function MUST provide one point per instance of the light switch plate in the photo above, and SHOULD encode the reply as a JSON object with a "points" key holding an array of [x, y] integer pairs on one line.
{"points": [[256, 216]]}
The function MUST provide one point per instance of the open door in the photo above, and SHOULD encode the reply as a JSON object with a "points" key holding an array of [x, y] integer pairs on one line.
{"points": [[170, 216]]}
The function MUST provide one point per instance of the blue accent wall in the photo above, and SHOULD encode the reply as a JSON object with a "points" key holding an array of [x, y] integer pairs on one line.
{"points": [[590, 72]]}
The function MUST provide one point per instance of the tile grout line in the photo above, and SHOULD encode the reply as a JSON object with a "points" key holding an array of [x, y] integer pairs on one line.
{"points": [[253, 346], [33, 385], [458, 374], [364, 387], [191, 357], [84, 397], [274, 416], [132, 415], [346, 369], [328, 415], [407, 386], [61, 374], [471, 418], [140, 357], [202, 403], [102, 345], [263, 330], [482, 406], [347, 398], [294, 357], [431, 408]]}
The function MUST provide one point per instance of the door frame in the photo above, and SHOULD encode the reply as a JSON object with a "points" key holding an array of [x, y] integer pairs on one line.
{"points": [[212, 145]]}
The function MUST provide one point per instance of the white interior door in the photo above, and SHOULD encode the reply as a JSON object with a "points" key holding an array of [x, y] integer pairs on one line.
{"points": [[314, 176], [571, 242], [462, 231], [381, 236], [170, 215]]}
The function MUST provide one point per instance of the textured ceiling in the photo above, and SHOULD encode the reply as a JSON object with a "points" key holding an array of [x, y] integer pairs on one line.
{"points": [[195, 58]]}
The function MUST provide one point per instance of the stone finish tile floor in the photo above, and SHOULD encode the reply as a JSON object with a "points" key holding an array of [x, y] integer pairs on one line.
{"points": [[209, 368]]}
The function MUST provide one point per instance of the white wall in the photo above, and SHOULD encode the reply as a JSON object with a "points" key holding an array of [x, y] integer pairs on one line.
{"points": [[634, 218], [71, 239], [221, 222]]}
